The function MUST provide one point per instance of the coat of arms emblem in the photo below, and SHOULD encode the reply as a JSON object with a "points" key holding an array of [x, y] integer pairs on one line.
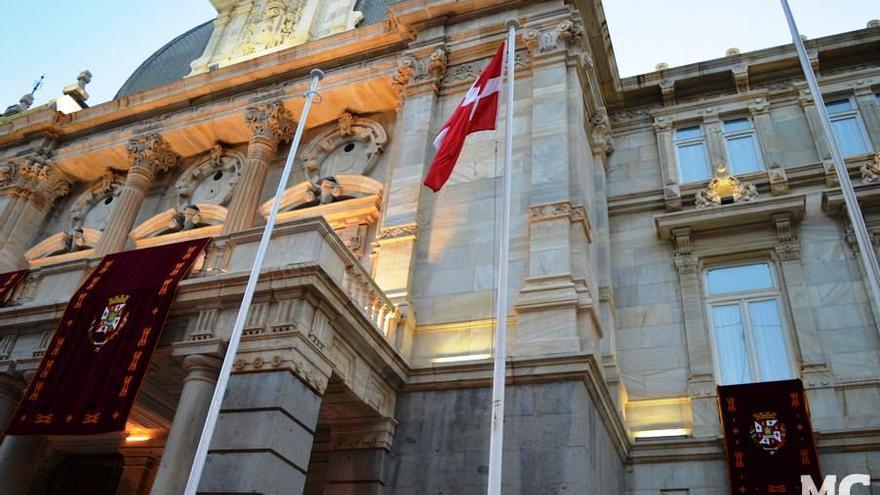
{"points": [[768, 432], [111, 322]]}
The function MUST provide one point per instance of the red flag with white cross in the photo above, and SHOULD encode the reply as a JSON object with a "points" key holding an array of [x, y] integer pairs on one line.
{"points": [[477, 112]]}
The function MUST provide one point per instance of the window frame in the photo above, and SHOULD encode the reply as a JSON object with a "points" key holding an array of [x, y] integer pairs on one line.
{"points": [[853, 112], [678, 143], [752, 132], [742, 299]]}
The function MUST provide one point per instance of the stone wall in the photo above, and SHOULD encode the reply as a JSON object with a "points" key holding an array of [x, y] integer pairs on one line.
{"points": [[555, 442]]}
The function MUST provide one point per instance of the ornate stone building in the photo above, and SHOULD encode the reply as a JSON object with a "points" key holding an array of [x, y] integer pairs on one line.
{"points": [[671, 232]]}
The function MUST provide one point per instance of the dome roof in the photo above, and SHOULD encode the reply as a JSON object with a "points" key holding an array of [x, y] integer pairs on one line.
{"points": [[172, 62]]}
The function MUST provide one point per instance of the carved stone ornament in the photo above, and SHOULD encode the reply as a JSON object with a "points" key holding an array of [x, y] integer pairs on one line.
{"points": [[725, 189], [270, 121], [553, 39], [352, 147], [871, 170], [411, 69], [398, 231], [92, 207], [602, 139], [151, 153], [36, 177], [247, 29], [211, 179]]}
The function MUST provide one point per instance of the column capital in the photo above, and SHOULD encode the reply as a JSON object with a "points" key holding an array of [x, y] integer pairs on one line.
{"points": [[557, 38], [270, 122], [420, 71], [35, 177], [148, 155]]}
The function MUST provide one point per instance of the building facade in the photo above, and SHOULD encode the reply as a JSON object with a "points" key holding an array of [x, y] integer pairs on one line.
{"points": [[671, 232]]}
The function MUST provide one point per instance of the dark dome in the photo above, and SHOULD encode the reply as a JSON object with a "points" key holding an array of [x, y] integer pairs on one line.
{"points": [[171, 62]]}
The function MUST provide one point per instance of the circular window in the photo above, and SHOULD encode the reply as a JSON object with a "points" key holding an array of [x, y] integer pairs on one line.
{"points": [[108, 200], [349, 147], [218, 175]]}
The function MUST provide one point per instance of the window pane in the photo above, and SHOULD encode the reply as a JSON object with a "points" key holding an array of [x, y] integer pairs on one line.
{"points": [[737, 125], [838, 106], [739, 278], [770, 347], [689, 132], [692, 162], [849, 136], [743, 155], [730, 342]]}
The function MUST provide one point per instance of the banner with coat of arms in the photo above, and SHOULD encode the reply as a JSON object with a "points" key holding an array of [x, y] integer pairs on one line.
{"points": [[768, 437], [100, 352], [8, 282]]}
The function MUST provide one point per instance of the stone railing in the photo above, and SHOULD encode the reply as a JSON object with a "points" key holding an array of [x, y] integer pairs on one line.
{"points": [[370, 299]]}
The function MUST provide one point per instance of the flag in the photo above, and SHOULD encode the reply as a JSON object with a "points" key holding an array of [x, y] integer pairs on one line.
{"points": [[768, 437], [477, 112], [100, 352]]}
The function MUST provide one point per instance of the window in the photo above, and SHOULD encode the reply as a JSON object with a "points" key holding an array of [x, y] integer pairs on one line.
{"points": [[747, 330], [741, 144], [847, 127], [690, 152]]}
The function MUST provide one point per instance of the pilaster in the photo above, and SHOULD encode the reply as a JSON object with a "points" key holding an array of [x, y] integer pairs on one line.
{"points": [[770, 148], [866, 100], [668, 164], [33, 184], [270, 124], [808, 104], [418, 77], [148, 156]]}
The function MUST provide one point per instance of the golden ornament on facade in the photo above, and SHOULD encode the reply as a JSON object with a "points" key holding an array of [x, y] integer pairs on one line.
{"points": [[724, 189]]}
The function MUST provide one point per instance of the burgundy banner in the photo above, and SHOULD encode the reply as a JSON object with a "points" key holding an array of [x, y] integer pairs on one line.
{"points": [[99, 355], [8, 281], [768, 437]]}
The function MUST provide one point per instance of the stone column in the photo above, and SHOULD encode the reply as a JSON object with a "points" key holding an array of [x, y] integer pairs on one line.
{"points": [[264, 434], [19, 455], [270, 123], [148, 156], [31, 186], [201, 364], [548, 302], [418, 79]]}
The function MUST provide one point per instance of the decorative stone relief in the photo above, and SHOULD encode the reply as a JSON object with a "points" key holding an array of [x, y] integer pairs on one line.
{"points": [[411, 69], [602, 139], [871, 170], [270, 121], [557, 38], [724, 189], [251, 28], [683, 251], [352, 147], [151, 154], [92, 208], [210, 180], [398, 231], [788, 248], [35, 177]]}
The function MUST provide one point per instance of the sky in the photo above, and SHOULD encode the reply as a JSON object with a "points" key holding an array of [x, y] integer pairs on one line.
{"points": [[59, 38]]}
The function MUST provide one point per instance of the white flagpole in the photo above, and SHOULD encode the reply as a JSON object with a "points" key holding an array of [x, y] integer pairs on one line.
{"points": [[866, 249], [496, 439], [195, 473]]}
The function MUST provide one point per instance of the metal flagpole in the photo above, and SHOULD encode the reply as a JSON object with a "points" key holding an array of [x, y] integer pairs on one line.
{"points": [[496, 439], [866, 249], [195, 473]]}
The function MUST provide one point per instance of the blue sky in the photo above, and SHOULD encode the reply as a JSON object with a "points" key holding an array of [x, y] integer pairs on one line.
{"points": [[59, 38]]}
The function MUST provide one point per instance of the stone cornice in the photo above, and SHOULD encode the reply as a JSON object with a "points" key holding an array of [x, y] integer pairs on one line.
{"points": [[729, 216]]}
